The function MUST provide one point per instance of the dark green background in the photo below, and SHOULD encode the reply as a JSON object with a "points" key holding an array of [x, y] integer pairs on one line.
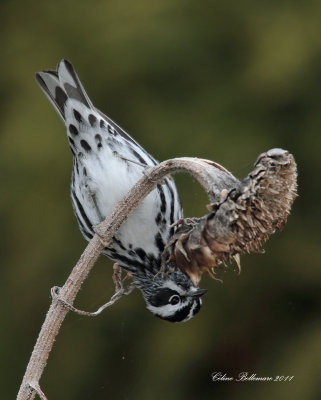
{"points": [[220, 80]]}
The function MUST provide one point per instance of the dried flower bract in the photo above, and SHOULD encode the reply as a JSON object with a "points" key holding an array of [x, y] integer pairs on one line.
{"points": [[241, 219]]}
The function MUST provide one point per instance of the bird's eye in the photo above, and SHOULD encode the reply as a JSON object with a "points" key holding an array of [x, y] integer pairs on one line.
{"points": [[175, 299]]}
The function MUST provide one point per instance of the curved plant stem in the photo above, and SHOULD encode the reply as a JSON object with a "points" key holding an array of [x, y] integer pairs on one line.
{"points": [[210, 175]]}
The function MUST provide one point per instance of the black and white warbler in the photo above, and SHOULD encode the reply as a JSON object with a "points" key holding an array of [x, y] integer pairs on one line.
{"points": [[107, 162]]}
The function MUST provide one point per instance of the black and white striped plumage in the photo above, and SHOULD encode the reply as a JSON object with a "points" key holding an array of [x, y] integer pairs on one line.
{"points": [[107, 162]]}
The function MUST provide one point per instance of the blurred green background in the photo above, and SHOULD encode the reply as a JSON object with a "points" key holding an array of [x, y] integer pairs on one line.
{"points": [[219, 80]]}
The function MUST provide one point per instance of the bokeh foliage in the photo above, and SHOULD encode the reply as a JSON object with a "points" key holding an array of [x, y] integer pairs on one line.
{"points": [[213, 79]]}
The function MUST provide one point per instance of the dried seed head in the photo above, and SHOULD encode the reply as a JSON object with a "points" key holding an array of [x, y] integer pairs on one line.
{"points": [[242, 217]]}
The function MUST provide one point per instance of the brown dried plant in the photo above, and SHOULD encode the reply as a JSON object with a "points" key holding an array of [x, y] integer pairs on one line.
{"points": [[246, 213]]}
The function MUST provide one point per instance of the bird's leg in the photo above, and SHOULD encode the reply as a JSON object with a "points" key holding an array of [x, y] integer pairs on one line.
{"points": [[117, 277], [119, 292], [165, 260], [118, 281]]}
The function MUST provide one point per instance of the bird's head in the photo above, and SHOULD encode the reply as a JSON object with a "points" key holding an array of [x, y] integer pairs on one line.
{"points": [[173, 297]]}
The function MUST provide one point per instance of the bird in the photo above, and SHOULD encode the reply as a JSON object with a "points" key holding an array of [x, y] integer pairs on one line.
{"points": [[107, 162]]}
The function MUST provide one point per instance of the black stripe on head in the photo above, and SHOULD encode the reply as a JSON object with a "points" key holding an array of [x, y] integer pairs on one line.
{"points": [[161, 297], [182, 314], [179, 316]]}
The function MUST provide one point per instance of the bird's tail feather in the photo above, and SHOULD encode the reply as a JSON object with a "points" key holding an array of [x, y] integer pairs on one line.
{"points": [[62, 84]]}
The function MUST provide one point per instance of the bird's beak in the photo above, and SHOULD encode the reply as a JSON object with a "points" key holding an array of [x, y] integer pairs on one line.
{"points": [[197, 293]]}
